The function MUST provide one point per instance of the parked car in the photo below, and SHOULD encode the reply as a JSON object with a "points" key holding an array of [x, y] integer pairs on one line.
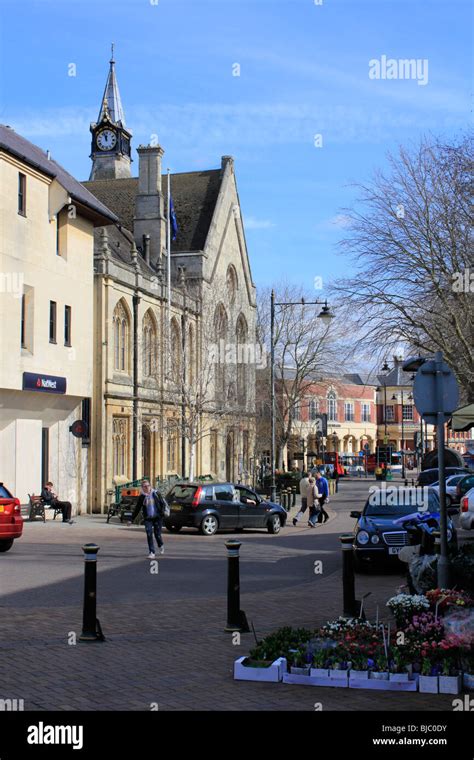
{"points": [[428, 477], [451, 490], [11, 521], [378, 537], [464, 486], [210, 507], [466, 519]]}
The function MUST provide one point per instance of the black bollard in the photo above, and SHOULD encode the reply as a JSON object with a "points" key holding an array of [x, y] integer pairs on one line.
{"points": [[236, 619], [91, 630], [348, 584], [294, 496]]}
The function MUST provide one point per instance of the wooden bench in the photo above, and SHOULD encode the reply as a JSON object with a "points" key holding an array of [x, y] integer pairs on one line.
{"points": [[38, 508]]}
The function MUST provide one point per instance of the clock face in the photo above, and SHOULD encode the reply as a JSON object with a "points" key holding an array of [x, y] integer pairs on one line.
{"points": [[106, 139]]}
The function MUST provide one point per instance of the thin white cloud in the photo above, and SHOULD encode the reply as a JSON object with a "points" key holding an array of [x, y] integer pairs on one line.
{"points": [[251, 223]]}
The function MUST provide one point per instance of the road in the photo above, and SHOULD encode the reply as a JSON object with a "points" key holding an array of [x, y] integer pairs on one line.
{"points": [[164, 630]]}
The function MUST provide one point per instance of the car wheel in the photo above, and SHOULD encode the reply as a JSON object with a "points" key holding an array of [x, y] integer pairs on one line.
{"points": [[274, 524], [209, 525], [173, 528], [6, 545]]}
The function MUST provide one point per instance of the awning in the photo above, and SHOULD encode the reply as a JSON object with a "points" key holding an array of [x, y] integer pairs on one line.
{"points": [[463, 418]]}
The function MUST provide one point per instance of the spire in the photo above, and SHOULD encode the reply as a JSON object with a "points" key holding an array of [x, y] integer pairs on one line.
{"points": [[112, 102]]}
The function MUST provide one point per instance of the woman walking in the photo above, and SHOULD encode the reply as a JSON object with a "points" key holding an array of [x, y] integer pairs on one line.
{"points": [[312, 497]]}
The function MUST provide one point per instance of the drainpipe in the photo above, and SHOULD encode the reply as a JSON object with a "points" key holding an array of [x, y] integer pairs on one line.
{"points": [[136, 301]]}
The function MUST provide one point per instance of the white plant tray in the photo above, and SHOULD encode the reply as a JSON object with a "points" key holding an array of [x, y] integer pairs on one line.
{"points": [[273, 673]]}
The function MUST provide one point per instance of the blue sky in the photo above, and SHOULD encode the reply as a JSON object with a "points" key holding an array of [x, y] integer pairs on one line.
{"points": [[303, 71]]}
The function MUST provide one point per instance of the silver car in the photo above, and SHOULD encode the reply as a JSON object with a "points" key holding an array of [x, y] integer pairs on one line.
{"points": [[451, 483]]}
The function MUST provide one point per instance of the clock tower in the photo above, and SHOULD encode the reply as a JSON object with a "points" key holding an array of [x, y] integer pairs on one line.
{"points": [[110, 149]]}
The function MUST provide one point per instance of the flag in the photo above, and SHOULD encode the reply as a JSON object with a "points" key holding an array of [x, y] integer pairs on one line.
{"points": [[174, 223]]}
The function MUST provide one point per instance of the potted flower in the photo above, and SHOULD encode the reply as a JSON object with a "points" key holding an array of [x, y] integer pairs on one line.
{"points": [[338, 666], [359, 669], [398, 667], [319, 667], [428, 681], [378, 671], [450, 677], [299, 665], [404, 606]]}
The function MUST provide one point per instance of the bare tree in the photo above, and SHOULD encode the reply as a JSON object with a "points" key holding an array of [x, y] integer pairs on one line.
{"points": [[305, 347], [410, 242], [208, 376]]}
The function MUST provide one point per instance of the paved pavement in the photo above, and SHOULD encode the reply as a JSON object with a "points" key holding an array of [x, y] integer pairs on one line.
{"points": [[165, 641]]}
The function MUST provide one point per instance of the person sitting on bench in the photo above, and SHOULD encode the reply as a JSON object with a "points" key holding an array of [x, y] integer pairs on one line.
{"points": [[51, 500]]}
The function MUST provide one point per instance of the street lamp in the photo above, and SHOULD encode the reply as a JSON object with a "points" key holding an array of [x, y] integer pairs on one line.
{"points": [[326, 315], [395, 398]]}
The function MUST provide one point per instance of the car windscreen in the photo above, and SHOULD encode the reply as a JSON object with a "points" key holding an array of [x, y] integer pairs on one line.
{"points": [[398, 501], [182, 492]]}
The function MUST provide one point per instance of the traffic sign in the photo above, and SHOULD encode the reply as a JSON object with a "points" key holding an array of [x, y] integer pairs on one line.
{"points": [[322, 424], [425, 391]]}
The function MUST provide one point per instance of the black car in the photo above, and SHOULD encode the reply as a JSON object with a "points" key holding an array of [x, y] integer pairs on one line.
{"points": [[428, 477], [378, 537], [210, 507]]}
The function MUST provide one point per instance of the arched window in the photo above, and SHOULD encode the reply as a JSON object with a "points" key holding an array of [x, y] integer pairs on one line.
{"points": [[176, 351], [220, 331], [121, 325], [313, 409], [119, 445], [242, 358], [149, 352], [231, 283], [332, 406]]}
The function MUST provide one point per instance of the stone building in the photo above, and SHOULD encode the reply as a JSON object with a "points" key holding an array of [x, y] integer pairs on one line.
{"points": [[47, 221], [174, 380]]}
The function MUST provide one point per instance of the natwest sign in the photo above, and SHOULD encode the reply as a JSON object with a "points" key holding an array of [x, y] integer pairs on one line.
{"points": [[43, 383]]}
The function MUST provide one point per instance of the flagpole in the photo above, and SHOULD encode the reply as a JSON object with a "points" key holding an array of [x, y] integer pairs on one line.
{"points": [[168, 268]]}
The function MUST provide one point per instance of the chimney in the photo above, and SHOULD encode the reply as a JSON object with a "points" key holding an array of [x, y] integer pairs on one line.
{"points": [[149, 205]]}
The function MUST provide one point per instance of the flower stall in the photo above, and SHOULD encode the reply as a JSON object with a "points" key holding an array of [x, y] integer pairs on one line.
{"points": [[429, 648]]}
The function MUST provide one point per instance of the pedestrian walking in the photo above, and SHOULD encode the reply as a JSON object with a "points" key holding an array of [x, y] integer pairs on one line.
{"points": [[154, 508], [51, 500], [323, 488], [312, 496], [335, 476], [304, 501]]}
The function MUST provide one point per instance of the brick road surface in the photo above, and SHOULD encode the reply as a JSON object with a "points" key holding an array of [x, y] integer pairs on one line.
{"points": [[165, 642]]}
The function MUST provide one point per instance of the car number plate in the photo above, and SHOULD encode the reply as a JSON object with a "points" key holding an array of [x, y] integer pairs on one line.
{"points": [[394, 549], [176, 507]]}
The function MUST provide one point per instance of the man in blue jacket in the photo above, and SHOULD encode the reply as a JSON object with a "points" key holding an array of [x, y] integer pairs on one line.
{"points": [[153, 507], [323, 488]]}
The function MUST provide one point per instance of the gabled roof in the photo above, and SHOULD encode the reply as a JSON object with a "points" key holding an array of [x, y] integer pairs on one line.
{"points": [[194, 197], [16, 145]]}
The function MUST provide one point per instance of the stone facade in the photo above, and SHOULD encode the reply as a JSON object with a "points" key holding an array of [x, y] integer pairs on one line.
{"points": [[46, 321], [174, 370]]}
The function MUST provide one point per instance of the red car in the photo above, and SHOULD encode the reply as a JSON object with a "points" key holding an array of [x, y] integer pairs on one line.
{"points": [[11, 521]]}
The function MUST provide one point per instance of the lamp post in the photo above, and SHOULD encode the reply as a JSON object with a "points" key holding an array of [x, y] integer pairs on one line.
{"points": [[402, 447], [326, 315]]}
